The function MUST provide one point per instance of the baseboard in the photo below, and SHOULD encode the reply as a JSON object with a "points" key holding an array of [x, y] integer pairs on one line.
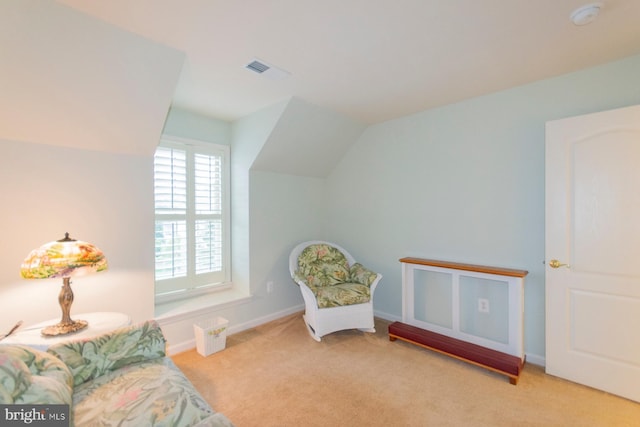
{"points": [[265, 319], [535, 359], [234, 329], [181, 347], [387, 316]]}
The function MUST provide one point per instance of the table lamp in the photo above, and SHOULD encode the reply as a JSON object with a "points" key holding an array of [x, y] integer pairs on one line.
{"points": [[63, 258]]}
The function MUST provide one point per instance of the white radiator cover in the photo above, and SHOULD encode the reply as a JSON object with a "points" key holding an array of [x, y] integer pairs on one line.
{"points": [[467, 303]]}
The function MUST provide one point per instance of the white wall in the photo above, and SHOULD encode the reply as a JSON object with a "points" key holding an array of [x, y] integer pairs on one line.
{"points": [[465, 183], [102, 198], [103, 93], [307, 141]]}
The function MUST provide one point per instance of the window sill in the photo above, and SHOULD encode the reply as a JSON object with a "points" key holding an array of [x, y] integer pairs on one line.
{"points": [[191, 294], [199, 305]]}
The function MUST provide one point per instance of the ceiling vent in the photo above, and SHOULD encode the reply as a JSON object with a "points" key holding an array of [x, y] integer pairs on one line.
{"points": [[267, 70]]}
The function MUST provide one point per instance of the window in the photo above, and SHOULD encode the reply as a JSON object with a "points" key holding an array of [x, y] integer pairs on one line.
{"points": [[191, 218]]}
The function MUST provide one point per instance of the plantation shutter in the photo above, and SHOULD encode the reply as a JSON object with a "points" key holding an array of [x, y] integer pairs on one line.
{"points": [[170, 191], [189, 191], [208, 208]]}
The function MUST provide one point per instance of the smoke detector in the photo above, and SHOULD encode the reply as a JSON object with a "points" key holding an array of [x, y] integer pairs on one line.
{"points": [[586, 14], [267, 70]]}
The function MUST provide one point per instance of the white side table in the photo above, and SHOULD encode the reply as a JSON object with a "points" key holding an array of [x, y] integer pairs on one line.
{"points": [[99, 323]]}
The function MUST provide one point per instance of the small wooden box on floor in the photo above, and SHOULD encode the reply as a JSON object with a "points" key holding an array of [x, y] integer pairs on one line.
{"points": [[496, 361]]}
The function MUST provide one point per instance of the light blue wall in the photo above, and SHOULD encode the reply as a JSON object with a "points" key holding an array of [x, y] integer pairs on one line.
{"points": [[249, 135], [285, 210], [271, 212], [264, 215], [465, 183]]}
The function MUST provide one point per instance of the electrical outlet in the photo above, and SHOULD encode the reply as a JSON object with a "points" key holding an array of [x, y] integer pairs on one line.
{"points": [[483, 305], [269, 287]]}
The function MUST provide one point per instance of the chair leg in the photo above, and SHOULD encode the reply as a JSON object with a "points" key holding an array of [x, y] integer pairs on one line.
{"points": [[310, 329]]}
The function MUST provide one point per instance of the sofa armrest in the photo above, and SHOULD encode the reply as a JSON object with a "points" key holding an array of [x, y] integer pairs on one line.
{"points": [[90, 358], [32, 376]]}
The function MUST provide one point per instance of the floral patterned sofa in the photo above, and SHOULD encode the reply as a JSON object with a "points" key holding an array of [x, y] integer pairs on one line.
{"points": [[122, 378]]}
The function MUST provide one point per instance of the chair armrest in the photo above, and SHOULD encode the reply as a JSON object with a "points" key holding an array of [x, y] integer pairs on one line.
{"points": [[373, 286], [308, 295], [93, 357], [360, 274]]}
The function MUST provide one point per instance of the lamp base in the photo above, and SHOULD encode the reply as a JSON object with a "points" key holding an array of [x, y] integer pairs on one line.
{"points": [[64, 328]]}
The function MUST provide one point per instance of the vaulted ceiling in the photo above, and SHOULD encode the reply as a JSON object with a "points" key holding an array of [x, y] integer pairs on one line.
{"points": [[71, 80], [101, 75], [371, 60]]}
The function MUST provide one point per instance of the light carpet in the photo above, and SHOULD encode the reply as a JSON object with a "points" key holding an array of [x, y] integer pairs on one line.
{"points": [[277, 375]]}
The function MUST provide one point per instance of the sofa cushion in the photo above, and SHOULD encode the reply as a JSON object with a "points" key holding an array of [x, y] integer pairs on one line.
{"points": [[93, 357], [153, 392], [29, 376]]}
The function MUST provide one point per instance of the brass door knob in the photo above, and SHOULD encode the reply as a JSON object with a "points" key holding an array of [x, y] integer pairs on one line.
{"points": [[554, 263]]}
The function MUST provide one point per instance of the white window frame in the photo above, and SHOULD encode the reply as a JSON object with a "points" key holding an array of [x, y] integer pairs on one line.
{"points": [[190, 285]]}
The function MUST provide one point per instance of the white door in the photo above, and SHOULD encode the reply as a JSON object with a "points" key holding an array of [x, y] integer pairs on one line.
{"points": [[593, 225]]}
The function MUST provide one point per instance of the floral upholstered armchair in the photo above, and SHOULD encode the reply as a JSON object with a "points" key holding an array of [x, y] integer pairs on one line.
{"points": [[337, 291]]}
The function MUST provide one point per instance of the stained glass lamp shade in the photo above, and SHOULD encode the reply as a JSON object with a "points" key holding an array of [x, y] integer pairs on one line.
{"points": [[64, 258]]}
